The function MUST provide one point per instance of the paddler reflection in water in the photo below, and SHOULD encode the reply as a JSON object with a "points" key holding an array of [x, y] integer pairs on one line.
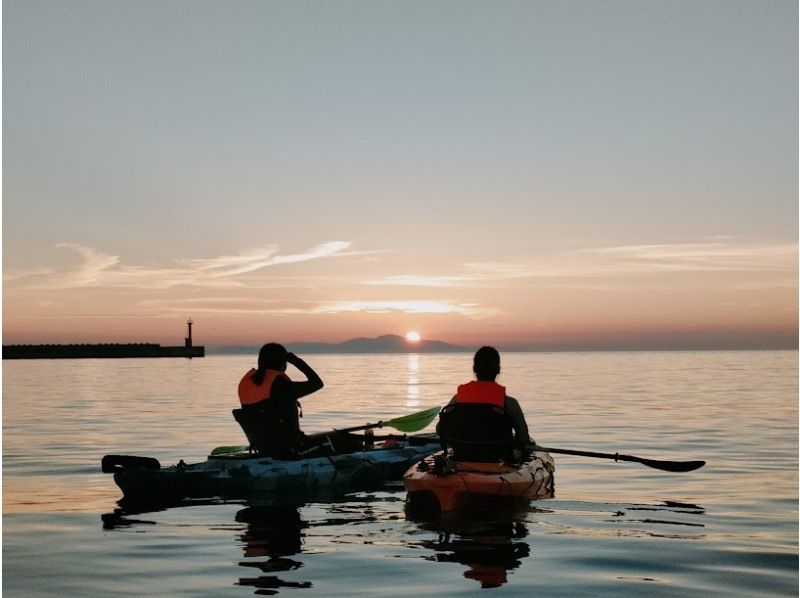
{"points": [[490, 549], [484, 390], [274, 532], [270, 414]]}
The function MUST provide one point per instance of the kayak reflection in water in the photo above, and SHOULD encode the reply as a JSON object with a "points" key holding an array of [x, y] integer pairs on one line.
{"points": [[489, 549], [486, 391], [270, 414], [274, 532]]}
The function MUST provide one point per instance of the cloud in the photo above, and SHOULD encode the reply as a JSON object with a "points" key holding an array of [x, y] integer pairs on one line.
{"points": [[93, 265], [604, 268], [97, 269], [262, 257], [634, 260], [227, 306], [14, 276], [701, 257], [412, 280], [406, 306]]}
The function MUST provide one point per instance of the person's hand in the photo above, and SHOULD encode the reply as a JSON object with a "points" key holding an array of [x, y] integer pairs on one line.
{"points": [[292, 359]]}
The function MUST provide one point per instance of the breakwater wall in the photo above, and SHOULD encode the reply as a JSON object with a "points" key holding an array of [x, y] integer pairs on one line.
{"points": [[110, 350]]}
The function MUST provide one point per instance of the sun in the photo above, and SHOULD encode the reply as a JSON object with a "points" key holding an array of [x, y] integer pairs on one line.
{"points": [[412, 336]]}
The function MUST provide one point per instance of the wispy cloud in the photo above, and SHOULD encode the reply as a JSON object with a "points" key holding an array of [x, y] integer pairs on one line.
{"points": [[257, 306], [715, 256], [262, 257], [411, 280], [633, 260], [406, 306], [227, 306], [21, 275], [98, 269], [93, 265]]}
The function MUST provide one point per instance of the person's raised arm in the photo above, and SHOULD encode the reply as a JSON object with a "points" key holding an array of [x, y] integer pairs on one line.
{"points": [[314, 382]]}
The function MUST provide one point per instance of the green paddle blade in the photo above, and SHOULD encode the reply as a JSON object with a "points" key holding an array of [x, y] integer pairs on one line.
{"points": [[224, 450], [413, 422]]}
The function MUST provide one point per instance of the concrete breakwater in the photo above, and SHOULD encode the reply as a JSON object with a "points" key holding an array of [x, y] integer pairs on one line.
{"points": [[110, 350]]}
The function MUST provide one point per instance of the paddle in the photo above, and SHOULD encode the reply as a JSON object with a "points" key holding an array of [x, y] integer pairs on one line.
{"points": [[674, 466], [413, 422]]}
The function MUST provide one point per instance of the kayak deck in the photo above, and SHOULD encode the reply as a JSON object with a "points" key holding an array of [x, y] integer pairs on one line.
{"points": [[236, 475], [456, 484]]}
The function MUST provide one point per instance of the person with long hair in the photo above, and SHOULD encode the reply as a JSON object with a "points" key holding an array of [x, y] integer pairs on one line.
{"points": [[268, 389]]}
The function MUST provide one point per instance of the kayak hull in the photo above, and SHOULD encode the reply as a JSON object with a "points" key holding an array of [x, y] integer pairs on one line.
{"points": [[243, 475], [462, 484]]}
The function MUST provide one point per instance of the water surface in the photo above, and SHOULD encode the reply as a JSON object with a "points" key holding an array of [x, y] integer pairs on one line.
{"points": [[612, 529]]}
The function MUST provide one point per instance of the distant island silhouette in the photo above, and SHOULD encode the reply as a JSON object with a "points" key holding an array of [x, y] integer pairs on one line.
{"points": [[388, 343], [677, 341]]}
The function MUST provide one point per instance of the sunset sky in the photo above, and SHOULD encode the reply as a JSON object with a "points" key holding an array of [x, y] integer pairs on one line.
{"points": [[526, 174]]}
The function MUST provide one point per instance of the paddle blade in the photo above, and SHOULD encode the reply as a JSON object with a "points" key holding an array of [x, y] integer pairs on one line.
{"points": [[413, 422], [225, 450], [674, 466]]}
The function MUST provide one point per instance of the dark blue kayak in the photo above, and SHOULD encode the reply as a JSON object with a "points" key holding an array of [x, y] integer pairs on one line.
{"points": [[242, 474]]}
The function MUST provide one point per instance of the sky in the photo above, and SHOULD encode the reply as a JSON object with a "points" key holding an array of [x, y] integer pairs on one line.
{"points": [[529, 174]]}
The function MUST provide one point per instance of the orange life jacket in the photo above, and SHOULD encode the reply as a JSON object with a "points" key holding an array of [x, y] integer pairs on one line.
{"points": [[482, 392], [251, 393]]}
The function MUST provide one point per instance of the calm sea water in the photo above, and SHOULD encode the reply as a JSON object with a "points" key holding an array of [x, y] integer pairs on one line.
{"points": [[613, 529]]}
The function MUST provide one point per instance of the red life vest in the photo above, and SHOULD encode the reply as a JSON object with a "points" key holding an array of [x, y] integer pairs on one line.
{"points": [[482, 392], [251, 393]]}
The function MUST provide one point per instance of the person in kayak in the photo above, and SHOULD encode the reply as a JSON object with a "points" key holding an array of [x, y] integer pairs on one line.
{"points": [[269, 391], [484, 390]]}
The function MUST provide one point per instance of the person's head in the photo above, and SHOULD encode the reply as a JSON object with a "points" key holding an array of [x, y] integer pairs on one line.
{"points": [[486, 364], [272, 356]]}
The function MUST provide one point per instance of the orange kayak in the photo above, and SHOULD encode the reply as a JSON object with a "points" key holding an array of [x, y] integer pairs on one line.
{"points": [[456, 484]]}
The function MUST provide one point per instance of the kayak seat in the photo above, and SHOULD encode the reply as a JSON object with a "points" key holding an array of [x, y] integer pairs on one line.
{"points": [[267, 433], [476, 432], [271, 436]]}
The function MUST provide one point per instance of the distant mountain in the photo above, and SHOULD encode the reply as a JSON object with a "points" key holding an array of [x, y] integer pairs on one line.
{"points": [[388, 343]]}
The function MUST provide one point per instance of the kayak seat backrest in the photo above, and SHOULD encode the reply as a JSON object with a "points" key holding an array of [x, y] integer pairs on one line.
{"points": [[476, 432], [267, 433]]}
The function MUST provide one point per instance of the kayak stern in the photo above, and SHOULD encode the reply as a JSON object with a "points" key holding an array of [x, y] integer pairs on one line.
{"points": [[464, 483]]}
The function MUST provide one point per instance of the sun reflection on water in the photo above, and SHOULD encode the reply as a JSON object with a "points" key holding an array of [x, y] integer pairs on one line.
{"points": [[413, 381]]}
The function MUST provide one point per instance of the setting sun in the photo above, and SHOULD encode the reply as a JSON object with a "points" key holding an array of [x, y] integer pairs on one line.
{"points": [[412, 336]]}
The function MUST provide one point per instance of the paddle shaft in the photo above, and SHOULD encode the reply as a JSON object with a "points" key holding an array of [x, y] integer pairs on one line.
{"points": [[363, 427], [674, 466], [432, 437]]}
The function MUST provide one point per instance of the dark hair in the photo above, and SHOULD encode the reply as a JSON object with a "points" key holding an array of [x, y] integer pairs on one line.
{"points": [[486, 364], [272, 356]]}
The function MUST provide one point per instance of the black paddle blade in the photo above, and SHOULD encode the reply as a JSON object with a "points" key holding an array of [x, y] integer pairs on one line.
{"points": [[674, 466]]}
